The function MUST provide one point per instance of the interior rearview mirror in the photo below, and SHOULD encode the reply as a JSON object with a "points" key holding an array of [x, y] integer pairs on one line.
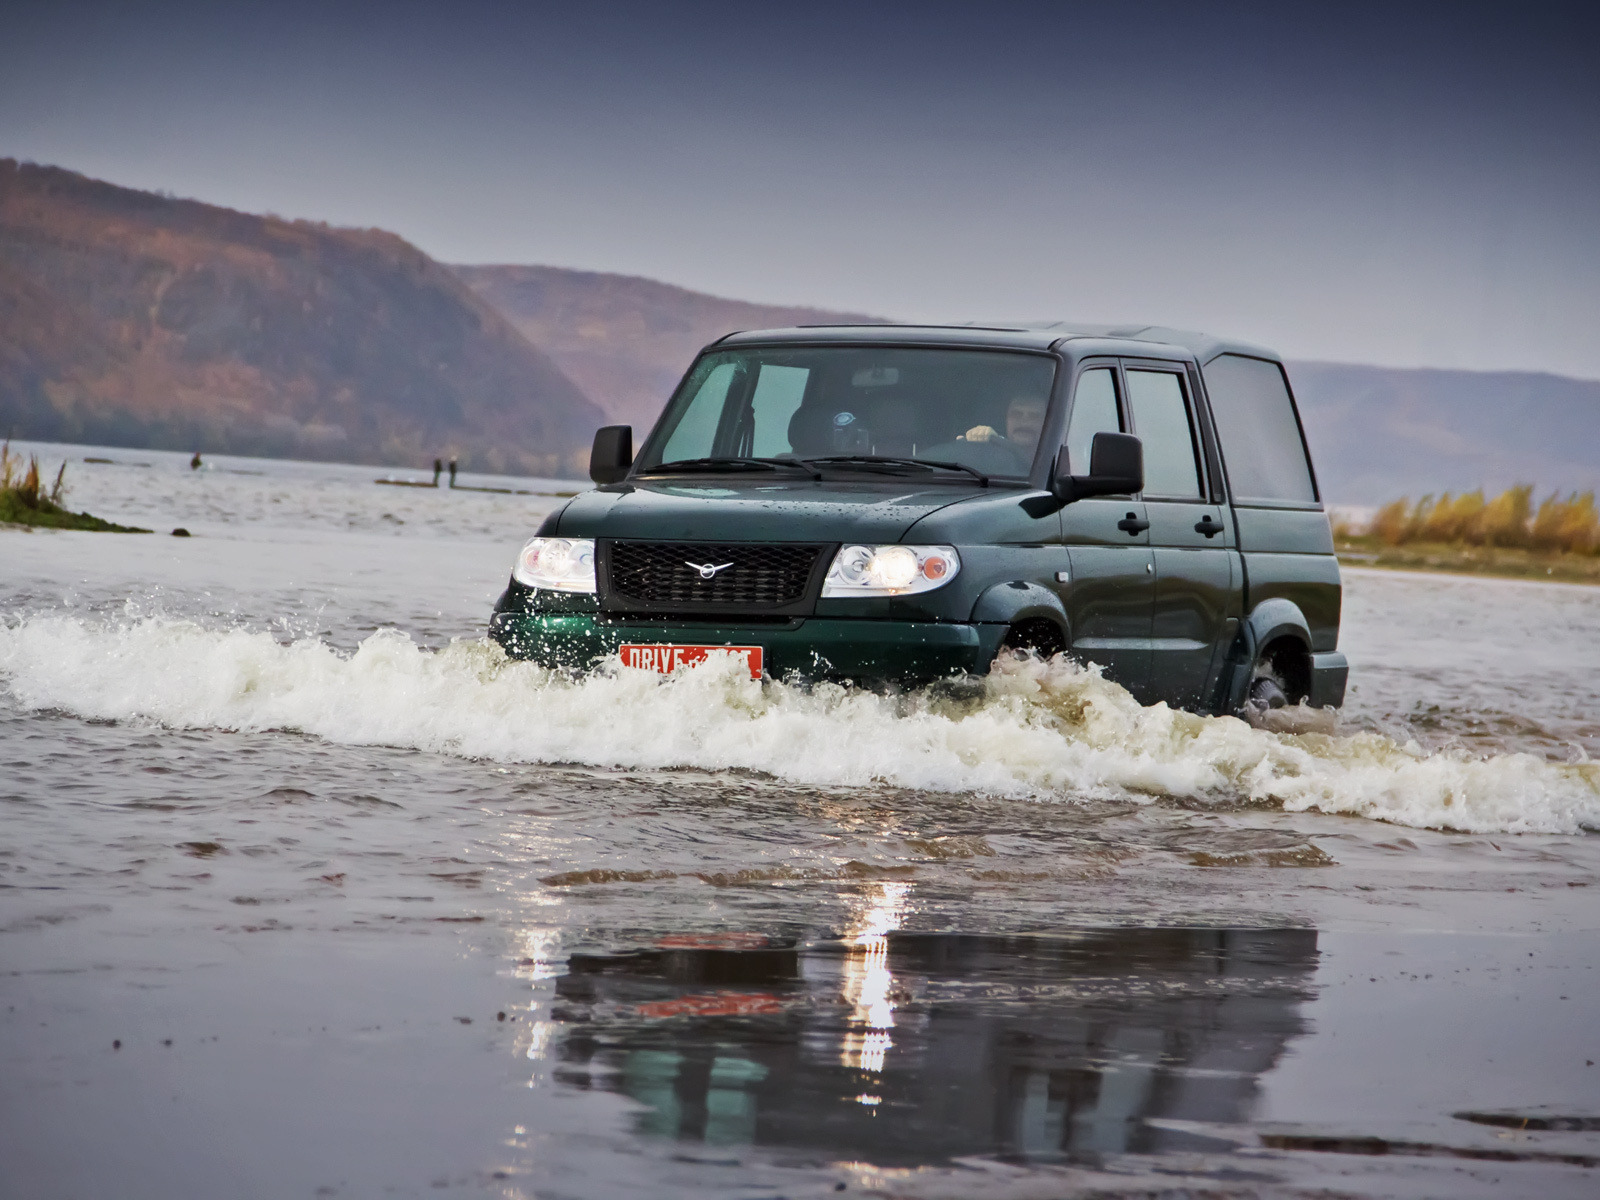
{"points": [[1116, 468], [612, 453]]}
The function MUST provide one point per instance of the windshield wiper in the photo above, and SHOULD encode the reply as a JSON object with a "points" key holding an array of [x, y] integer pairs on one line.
{"points": [[891, 461], [732, 463]]}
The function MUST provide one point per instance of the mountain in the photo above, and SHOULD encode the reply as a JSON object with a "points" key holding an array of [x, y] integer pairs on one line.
{"points": [[1378, 433], [129, 318], [624, 340]]}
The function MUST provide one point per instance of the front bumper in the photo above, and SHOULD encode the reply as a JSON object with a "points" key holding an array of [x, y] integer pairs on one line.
{"points": [[814, 648]]}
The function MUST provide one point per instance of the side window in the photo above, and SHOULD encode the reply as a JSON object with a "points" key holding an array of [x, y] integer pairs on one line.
{"points": [[1161, 419], [1094, 410], [1260, 435]]}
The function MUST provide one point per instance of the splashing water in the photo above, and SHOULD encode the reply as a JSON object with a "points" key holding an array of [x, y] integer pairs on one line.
{"points": [[1031, 729]]}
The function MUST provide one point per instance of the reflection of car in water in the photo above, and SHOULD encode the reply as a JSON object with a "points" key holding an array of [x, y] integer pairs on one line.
{"points": [[911, 1048], [902, 503]]}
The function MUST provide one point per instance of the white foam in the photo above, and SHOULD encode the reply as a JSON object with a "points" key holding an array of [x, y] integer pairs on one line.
{"points": [[1041, 730]]}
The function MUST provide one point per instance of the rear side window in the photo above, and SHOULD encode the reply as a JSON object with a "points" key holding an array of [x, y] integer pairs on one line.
{"points": [[1161, 419], [1261, 442]]}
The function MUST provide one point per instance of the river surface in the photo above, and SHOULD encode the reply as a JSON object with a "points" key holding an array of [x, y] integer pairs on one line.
{"points": [[305, 891]]}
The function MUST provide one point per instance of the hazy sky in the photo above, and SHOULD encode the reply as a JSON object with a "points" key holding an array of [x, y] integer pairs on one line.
{"points": [[1409, 184]]}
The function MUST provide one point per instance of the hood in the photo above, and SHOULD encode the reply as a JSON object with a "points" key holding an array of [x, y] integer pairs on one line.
{"points": [[768, 510]]}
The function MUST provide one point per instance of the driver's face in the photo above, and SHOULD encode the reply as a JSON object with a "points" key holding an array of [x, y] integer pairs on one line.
{"points": [[1025, 419]]}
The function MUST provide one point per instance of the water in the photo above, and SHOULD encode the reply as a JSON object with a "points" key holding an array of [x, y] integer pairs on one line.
{"points": [[269, 797]]}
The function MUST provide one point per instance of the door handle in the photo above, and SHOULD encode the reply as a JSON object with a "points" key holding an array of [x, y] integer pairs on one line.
{"points": [[1208, 527], [1131, 524]]}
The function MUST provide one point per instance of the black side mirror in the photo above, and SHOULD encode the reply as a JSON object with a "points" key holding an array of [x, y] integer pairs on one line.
{"points": [[612, 453], [1116, 468]]}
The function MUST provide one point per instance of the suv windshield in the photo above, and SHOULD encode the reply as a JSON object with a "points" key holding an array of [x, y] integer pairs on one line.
{"points": [[980, 409]]}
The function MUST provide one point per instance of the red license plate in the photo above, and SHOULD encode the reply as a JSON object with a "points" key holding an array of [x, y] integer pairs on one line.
{"points": [[668, 658]]}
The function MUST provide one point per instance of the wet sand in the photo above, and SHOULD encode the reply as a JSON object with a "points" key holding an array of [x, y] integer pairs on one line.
{"points": [[878, 964]]}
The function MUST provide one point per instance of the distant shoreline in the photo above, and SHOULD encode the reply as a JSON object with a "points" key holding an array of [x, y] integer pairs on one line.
{"points": [[95, 454], [1473, 561]]}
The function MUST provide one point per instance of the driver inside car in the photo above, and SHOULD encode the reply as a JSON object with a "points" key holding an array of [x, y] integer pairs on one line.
{"points": [[983, 447]]}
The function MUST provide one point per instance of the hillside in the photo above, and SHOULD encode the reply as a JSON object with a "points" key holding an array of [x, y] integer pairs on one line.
{"points": [[1378, 433], [624, 340], [128, 318]]}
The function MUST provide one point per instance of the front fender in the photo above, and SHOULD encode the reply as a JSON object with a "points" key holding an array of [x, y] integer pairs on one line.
{"points": [[551, 523], [1008, 603]]}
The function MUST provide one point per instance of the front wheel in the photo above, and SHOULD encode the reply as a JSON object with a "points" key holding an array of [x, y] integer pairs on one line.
{"points": [[1039, 635]]}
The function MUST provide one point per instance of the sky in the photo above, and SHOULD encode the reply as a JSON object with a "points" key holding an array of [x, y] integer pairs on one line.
{"points": [[1409, 184]]}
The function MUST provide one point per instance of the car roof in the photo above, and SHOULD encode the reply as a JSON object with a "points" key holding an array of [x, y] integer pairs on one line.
{"points": [[1009, 335]]}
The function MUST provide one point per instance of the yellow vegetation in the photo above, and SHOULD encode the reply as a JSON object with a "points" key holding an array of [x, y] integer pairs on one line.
{"points": [[1569, 525]]}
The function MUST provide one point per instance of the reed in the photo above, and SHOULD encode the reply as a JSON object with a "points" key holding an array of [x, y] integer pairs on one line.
{"points": [[25, 500], [1566, 526]]}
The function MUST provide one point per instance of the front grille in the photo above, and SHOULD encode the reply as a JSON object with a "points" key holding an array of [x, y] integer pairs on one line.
{"points": [[658, 575]]}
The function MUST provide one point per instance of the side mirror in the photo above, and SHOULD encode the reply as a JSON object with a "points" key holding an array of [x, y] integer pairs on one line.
{"points": [[1116, 468], [612, 453]]}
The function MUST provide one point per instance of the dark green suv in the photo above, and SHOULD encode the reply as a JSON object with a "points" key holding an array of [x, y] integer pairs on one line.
{"points": [[899, 503]]}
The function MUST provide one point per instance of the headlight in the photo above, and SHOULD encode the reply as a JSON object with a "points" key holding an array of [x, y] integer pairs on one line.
{"points": [[558, 564], [890, 570]]}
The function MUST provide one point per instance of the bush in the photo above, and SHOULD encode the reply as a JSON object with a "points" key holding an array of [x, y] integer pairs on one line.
{"points": [[1391, 523], [1505, 519], [24, 487], [1571, 525], [24, 500], [1452, 520]]}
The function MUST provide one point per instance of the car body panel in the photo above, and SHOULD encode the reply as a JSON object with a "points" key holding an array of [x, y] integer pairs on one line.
{"points": [[1111, 598], [781, 508], [1308, 581], [816, 648]]}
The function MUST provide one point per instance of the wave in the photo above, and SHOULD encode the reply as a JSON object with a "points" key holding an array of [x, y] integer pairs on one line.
{"points": [[1031, 729]]}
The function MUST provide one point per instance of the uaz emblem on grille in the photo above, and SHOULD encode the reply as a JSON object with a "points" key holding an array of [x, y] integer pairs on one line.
{"points": [[707, 571]]}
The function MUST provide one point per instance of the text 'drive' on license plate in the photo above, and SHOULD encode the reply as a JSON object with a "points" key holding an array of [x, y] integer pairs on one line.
{"points": [[668, 658]]}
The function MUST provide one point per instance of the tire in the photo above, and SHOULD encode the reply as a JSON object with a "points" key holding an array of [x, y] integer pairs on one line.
{"points": [[1266, 694]]}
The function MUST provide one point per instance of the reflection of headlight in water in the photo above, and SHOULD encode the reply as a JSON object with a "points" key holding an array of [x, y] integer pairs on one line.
{"points": [[872, 1005], [866, 1052], [540, 950], [539, 1034], [884, 913], [868, 981]]}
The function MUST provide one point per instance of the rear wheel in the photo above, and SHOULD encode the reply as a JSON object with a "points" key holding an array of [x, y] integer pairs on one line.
{"points": [[1281, 676], [1265, 693]]}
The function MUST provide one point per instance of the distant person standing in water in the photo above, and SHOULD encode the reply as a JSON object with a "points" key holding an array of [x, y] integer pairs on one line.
{"points": [[438, 470], [194, 463], [452, 470]]}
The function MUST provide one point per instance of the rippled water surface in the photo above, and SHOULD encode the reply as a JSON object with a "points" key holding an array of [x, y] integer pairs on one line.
{"points": [[304, 890]]}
